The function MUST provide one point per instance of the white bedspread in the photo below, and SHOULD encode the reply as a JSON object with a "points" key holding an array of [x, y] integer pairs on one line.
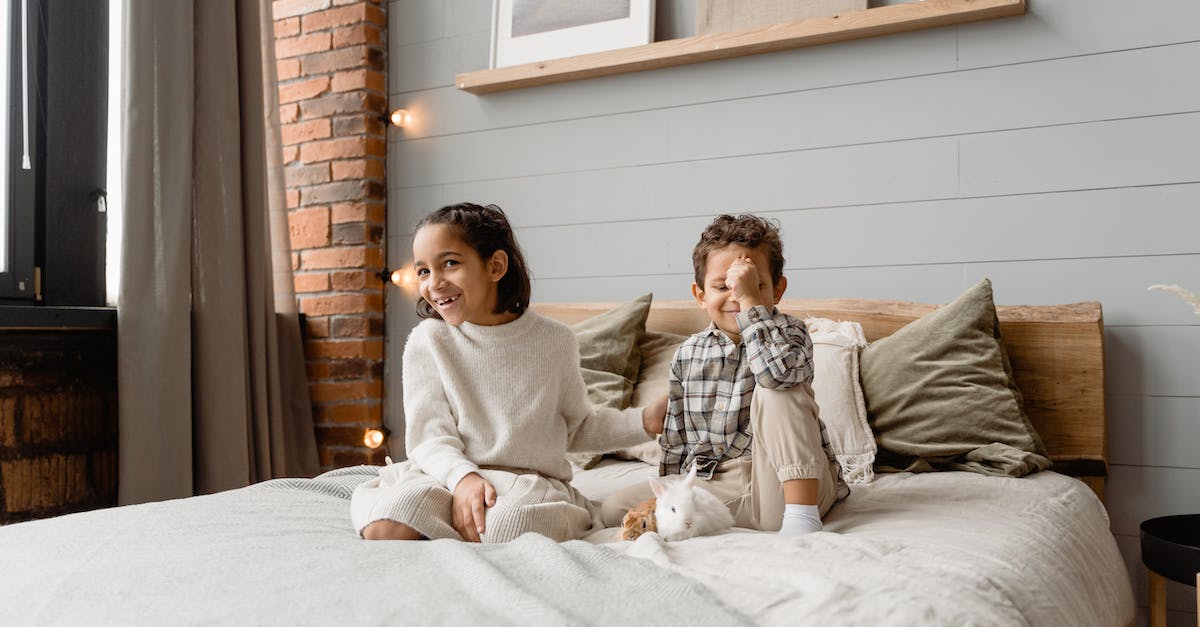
{"points": [[283, 553], [947, 548], [935, 549]]}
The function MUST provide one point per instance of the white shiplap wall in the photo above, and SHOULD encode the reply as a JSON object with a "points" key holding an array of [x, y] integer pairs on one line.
{"points": [[1057, 153]]}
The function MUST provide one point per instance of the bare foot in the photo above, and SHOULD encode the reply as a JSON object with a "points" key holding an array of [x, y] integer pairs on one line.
{"points": [[390, 530]]}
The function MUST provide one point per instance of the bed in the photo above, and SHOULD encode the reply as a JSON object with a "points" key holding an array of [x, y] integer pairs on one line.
{"points": [[906, 548]]}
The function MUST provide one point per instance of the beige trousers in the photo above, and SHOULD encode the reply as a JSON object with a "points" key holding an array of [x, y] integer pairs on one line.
{"points": [[525, 501], [786, 446]]}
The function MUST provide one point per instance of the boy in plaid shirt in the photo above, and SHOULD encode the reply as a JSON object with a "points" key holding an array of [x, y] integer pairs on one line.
{"points": [[741, 402]]}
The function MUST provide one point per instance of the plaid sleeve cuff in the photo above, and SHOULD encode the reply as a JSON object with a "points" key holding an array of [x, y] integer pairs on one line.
{"points": [[752, 316]]}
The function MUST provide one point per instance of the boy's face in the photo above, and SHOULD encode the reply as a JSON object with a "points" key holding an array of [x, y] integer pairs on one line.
{"points": [[728, 289]]}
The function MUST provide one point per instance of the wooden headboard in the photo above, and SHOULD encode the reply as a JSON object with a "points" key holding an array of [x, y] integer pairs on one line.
{"points": [[1057, 354]]}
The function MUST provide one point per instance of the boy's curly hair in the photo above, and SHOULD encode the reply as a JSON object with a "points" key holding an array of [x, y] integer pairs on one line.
{"points": [[745, 230]]}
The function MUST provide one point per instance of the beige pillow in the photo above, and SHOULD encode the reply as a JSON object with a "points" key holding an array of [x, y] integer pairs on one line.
{"points": [[658, 349], [941, 396], [839, 394], [610, 358]]}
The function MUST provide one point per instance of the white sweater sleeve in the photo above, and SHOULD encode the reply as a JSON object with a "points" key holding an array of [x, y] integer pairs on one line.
{"points": [[431, 434], [590, 428]]}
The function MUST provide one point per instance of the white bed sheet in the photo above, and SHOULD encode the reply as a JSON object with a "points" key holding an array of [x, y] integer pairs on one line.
{"points": [[283, 552], [933, 549], [946, 548]]}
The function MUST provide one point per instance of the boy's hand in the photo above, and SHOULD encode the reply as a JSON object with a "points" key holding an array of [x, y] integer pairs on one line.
{"points": [[467, 507], [653, 416], [743, 281]]}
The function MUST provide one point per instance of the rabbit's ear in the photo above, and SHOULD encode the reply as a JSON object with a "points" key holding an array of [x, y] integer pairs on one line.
{"points": [[690, 479], [658, 487]]}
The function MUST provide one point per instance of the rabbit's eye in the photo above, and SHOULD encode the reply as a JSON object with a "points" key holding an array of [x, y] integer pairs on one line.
{"points": [[643, 524], [672, 509]]}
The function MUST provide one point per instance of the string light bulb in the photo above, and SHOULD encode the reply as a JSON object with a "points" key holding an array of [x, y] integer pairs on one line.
{"points": [[402, 277], [373, 438], [400, 117]]}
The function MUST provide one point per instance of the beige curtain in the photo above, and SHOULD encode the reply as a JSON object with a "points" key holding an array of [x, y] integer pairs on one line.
{"points": [[212, 388]]}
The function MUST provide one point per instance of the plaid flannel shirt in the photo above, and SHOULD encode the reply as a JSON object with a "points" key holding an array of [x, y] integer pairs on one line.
{"points": [[712, 381]]}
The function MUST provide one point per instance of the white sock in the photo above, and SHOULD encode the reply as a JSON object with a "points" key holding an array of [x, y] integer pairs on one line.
{"points": [[800, 519]]}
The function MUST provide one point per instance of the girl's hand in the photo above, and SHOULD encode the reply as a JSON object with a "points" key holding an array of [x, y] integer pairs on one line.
{"points": [[653, 416], [743, 281], [467, 507]]}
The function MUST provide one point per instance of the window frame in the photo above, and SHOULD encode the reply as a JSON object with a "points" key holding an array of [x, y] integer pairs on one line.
{"points": [[17, 281], [57, 242]]}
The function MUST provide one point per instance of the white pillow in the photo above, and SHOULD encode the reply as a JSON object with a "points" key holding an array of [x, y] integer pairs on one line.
{"points": [[838, 390]]}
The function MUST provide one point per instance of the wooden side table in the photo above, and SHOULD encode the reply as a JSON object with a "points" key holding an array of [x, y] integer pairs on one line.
{"points": [[1170, 550]]}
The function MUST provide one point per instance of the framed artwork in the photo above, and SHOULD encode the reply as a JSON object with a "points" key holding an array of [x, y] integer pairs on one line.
{"points": [[524, 31]]}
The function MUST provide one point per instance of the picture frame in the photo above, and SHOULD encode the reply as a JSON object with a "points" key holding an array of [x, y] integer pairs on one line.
{"points": [[527, 31]]}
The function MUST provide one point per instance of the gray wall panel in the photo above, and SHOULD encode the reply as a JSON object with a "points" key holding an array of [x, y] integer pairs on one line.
{"points": [[1154, 361], [1138, 151], [416, 21], [1155, 150], [1062, 28], [433, 63], [1056, 153], [1154, 430], [1135, 493], [1120, 284], [1099, 87], [902, 171]]}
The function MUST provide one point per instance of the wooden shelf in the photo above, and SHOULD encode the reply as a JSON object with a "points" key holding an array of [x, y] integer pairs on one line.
{"points": [[815, 31]]}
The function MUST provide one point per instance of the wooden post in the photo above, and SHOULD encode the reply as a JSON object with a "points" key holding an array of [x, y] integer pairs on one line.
{"points": [[1158, 600]]}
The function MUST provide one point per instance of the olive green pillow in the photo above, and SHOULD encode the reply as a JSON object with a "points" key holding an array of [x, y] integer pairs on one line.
{"points": [[940, 395], [610, 358]]}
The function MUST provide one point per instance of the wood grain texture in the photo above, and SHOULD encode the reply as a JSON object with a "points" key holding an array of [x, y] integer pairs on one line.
{"points": [[1057, 355], [715, 46], [1158, 600]]}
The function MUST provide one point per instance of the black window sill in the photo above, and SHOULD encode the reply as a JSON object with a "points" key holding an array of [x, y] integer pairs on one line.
{"points": [[17, 317]]}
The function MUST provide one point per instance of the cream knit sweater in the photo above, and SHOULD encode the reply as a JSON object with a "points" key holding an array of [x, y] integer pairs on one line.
{"points": [[506, 395]]}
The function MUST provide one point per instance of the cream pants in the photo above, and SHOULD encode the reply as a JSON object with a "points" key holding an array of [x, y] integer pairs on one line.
{"points": [[525, 501], [786, 446]]}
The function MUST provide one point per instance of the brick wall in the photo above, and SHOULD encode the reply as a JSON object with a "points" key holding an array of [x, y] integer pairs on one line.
{"points": [[58, 422], [331, 57]]}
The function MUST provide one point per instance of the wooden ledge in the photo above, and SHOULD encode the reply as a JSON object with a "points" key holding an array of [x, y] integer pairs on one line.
{"points": [[814, 31], [49, 318]]}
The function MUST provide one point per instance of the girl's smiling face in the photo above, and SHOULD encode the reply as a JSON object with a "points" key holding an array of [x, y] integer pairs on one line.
{"points": [[454, 280]]}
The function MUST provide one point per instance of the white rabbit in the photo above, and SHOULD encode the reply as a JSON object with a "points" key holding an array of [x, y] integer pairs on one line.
{"points": [[686, 509]]}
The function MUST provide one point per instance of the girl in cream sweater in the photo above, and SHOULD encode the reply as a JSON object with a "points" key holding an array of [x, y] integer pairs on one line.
{"points": [[493, 400]]}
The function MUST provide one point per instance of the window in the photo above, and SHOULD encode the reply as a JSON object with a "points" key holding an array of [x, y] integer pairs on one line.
{"points": [[19, 137], [55, 75], [4, 139], [115, 187]]}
